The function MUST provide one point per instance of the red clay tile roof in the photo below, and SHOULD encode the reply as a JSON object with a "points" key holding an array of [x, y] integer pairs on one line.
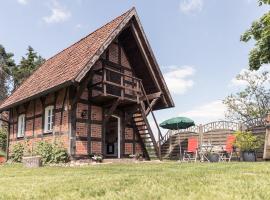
{"points": [[65, 66], [72, 64]]}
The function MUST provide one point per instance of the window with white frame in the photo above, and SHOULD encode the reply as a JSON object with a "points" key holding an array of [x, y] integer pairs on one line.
{"points": [[48, 126], [21, 125]]}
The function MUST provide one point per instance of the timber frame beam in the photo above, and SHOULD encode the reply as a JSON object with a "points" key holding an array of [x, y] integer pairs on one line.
{"points": [[152, 104], [152, 96], [112, 109]]}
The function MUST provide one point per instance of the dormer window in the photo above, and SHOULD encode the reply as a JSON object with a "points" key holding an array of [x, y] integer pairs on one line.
{"points": [[48, 122], [21, 125]]}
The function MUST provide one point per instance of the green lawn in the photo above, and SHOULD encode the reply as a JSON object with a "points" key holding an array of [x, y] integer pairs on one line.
{"points": [[138, 181]]}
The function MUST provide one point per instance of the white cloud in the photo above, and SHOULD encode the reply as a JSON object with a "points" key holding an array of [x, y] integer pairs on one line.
{"points": [[191, 6], [23, 2], [212, 111], [58, 14], [178, 78]]}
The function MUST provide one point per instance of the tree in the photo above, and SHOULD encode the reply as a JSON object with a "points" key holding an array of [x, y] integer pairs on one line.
{"points": [[259, 31], [7, 65], [253, 101], [27, 66]]}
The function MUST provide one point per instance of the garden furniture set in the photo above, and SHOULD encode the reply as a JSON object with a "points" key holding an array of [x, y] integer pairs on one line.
{"points": [[207, 152]]}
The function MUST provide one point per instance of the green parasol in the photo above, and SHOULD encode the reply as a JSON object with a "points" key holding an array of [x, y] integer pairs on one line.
{"points": [[177, 123]]}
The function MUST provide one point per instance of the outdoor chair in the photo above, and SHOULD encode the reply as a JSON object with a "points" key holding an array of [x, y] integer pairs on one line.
{"points": [[191, 154], [227, 153]]}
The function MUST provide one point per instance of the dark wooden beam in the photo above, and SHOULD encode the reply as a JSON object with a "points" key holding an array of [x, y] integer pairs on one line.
{"points": [[72, 121], [63, 108], [112, 109], [152, 96], [152, 104], [82, 87], [8, 136], [34, 121]]}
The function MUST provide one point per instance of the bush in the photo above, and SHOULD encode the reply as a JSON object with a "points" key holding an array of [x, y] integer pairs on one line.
{"points": [[3, 139], [2, 154], [17, 152], [246, 141], [51, 153]]}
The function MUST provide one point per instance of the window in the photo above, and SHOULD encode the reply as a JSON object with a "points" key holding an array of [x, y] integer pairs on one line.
{"points": [[21, 125], [48, 126]]}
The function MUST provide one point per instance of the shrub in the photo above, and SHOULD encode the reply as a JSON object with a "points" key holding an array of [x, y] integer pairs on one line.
{"points": [[2, 154], [246, 141], [3, 139], [51, 153], [17, 152]]}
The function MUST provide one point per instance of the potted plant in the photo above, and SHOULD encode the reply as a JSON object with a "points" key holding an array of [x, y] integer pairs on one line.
{"points": [[213, 157], [2, 157], [136, 156], [97, 158], [248, 144]]}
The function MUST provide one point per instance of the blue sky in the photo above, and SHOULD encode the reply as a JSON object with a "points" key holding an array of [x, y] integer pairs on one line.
{"points": [[196, 42]]}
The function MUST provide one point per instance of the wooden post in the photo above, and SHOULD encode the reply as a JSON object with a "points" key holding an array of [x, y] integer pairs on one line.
{"points": [[122, 87], [137, 92], [266, 152], [8, 132], [104, 82], [170, 135], [201, 134]]}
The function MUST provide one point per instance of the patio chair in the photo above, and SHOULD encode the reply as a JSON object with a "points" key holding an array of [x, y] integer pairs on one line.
{"points": [[191, 154], [227, 153]]}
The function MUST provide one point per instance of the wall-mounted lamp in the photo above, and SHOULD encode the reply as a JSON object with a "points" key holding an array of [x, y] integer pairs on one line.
{"points": [[84, 114]]}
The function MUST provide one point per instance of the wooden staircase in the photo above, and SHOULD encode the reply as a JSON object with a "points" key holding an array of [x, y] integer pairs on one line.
{"points": [[170, 148], [145, 135]]}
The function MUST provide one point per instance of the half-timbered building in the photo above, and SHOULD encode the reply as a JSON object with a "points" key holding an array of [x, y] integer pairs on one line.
{"points": [[94, 96]]}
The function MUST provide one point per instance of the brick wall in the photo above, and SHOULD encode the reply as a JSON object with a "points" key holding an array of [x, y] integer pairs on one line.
{"points": [[131, 144], [82, 125], [34, 112], [96, 129], [88, 127]]}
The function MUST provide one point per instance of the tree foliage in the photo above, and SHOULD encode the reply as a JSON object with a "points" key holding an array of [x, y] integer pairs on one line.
{"points": [[7, 64], [253, 101], [260, 32], [12, 75], [26, 67], [3, 139]]}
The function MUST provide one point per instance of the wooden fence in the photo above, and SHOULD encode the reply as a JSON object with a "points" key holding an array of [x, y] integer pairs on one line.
{"points": [[214, 133]]}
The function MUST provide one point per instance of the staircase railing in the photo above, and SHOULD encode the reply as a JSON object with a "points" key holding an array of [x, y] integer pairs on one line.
{"points": [[160, 138], [166, 137]]}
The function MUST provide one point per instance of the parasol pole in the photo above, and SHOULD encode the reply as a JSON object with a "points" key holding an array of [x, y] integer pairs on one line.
{"points": [[180, 146]]}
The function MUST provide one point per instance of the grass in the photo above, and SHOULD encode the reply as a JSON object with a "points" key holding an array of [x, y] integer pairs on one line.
{"points": [[168, 180]]}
